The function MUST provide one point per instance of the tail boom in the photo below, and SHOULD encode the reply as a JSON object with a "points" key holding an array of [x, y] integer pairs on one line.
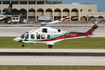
{"points": [[90, 31]]}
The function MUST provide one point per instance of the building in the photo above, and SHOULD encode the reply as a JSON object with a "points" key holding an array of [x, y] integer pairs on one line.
{"points": [[31, 9]]}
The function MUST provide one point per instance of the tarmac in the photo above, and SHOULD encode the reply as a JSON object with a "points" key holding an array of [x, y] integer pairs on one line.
{"points": [[8, 57], [14, 30], [49, 57]]}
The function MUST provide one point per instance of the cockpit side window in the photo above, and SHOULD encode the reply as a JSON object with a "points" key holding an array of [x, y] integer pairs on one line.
{"points": [[44, 30], [32, 36], [22, 36], [38, 36], [27, 36]]}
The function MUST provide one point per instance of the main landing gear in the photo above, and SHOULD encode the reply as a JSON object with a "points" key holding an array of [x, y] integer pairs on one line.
{"points": [[50, 46], [22, 44]]}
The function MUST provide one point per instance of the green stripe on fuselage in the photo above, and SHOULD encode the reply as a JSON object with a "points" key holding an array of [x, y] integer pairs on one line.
{"points": [[53, 36]]}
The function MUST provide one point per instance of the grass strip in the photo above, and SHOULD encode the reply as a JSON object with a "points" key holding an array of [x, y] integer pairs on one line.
{"points": [[24, 67], [84, 43]]}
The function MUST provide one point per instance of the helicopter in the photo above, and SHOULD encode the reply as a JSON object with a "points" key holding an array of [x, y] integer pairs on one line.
{"points": [[50, 35], [58, 21]]}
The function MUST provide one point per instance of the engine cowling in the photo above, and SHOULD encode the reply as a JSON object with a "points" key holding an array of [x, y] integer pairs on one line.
{"points": [[43, 23]]}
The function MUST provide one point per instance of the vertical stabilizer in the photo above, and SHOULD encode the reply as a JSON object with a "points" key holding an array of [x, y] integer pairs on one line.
{"points": [[90, 31], [8, 11]]}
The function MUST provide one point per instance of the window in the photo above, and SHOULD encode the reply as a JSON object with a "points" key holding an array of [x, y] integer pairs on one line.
{"points": [[32, 36], [14, 2], [23, 2], [48, 36], [40, 2], [53, 2], [44, 30], [27, 36], [32, 2], [22, 36], [13, 18], [89, 10], [6, 2], [43, 36], [38, 36], [80, 10], [16, 18]]}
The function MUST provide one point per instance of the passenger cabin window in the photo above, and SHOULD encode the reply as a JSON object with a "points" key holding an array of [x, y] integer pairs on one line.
{"points": [[32, 36], [16, 18], [48, 36], [44, 30], [13, 18], [43, 36], [38, 36]]}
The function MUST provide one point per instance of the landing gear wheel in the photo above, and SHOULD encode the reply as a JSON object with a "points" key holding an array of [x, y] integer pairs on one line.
{"points": [[22, 44], [50, 46]]}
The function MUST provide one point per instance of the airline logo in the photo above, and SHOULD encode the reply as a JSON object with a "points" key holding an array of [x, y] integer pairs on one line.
{"points": [[9, 9]]}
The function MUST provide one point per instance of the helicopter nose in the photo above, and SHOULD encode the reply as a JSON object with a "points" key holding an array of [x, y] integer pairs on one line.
{"points": [[17, 39]]}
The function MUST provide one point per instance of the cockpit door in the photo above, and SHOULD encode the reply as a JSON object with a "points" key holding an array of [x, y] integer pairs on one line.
{"points": [[26, 37]]}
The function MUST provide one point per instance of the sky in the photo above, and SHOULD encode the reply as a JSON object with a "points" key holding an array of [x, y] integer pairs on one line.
{"points": [[100, 3]]}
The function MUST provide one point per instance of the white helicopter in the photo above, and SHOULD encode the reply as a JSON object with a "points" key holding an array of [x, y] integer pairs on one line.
{"points": [[58, 21], [49, 35]]}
